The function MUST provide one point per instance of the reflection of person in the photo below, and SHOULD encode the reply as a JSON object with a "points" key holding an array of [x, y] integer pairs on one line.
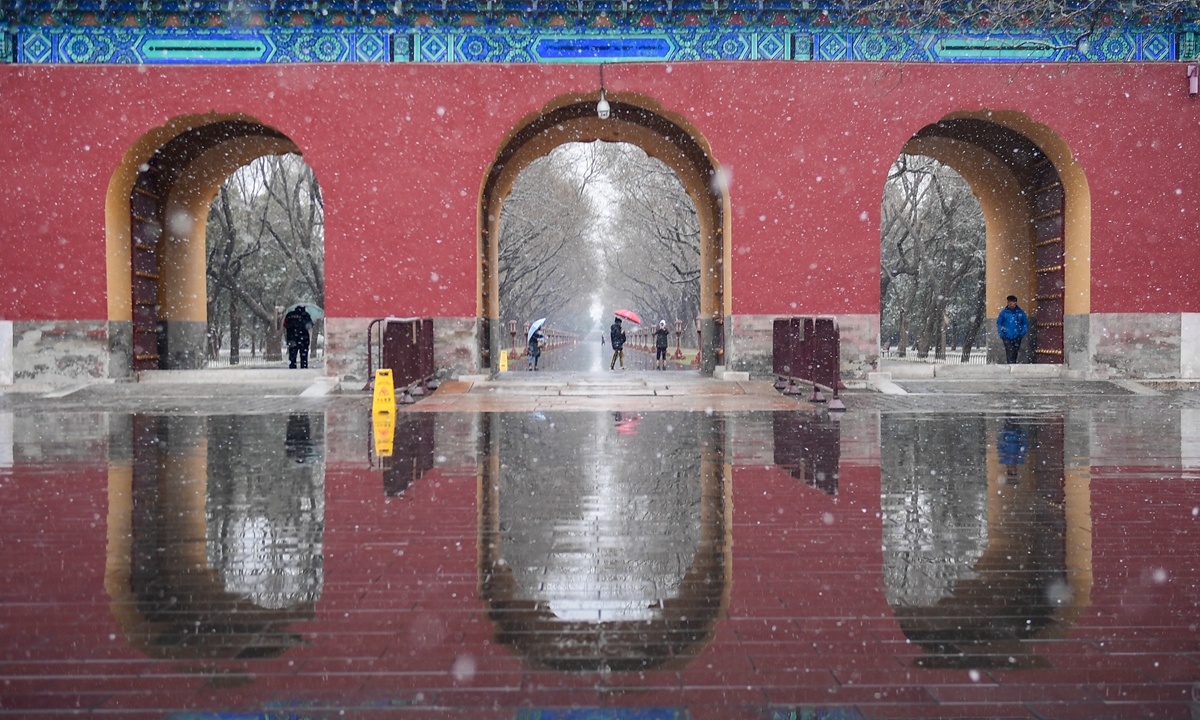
{"points": [[296, 325], [661, 338], [1012, 445], [617, 336], [535, 349], [1012, 324]]}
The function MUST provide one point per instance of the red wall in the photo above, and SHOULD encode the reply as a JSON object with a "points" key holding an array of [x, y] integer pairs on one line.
{"points": [[400, 152]]}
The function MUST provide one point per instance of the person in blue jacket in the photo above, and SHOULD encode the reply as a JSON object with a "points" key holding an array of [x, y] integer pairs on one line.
{"points": [[1012, 323]]}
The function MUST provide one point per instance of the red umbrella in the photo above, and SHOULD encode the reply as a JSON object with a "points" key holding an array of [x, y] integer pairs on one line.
{"points": [[629, 315]]}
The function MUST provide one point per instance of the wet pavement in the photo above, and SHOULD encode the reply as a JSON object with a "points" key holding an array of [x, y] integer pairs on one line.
{"points": [[591, 355], [239, 551]]}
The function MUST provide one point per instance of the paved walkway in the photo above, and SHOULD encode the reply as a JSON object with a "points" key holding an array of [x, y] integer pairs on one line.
{"points": [[631, 390]]}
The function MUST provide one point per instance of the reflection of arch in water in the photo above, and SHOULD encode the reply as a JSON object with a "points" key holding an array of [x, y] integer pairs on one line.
{"points": [[1022, 573], [660, 505], [214, 534]]}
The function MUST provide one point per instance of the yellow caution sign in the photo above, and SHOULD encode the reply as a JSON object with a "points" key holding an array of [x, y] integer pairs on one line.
{"points": [[385, 433], [503, 361], [383, 413], [385, 393]]}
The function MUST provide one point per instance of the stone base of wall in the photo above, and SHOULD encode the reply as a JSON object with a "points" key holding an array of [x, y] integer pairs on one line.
{"points": [[860, 345], [183, 346], [455, 347], [1137, 345], [749, 340], [59, 352], [346, 348], [120, 349], [6, 352]]}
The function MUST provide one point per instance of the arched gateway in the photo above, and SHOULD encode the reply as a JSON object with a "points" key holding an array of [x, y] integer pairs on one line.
{"points": [[1037, 209], [633, 119], [155, 216]]}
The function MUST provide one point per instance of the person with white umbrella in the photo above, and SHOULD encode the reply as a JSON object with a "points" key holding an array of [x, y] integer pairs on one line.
{"points": [[535, 343]]}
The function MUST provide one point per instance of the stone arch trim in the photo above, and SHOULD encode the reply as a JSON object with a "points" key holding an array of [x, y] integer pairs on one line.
{"points": [[635, 119], [202, 151], [1077, 216]]}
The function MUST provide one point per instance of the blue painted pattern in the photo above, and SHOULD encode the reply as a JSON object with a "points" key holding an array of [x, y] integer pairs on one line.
{"points": [[491, 44], [1103, 46], [89, 45], [437, 45]]}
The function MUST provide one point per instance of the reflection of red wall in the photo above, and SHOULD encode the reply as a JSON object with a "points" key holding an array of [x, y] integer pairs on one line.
{"points": [[807, 620], [400, 152]]}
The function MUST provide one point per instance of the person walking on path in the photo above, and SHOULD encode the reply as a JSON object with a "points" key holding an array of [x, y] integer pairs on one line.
{"points": [[1012, 323], [535, 349], [661, 339], [296, 324], [617, 336]]}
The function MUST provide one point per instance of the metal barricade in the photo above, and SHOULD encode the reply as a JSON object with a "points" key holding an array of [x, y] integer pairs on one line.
{"points": [[808, 349], [406, 348]]}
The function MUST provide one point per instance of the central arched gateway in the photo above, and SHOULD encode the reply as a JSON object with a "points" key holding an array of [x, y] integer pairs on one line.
{"points": [[633, 119]]}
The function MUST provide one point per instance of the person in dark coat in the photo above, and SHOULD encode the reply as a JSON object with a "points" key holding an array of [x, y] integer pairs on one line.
{"points": [[296, 325], [617, 335], [1012, 324], [662, 337]]}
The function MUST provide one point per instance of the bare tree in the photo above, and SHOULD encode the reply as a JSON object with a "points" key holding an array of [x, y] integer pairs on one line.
{"points": [[933, 256], [545, 260], [265, 238], [598, 223], [654, 249]]}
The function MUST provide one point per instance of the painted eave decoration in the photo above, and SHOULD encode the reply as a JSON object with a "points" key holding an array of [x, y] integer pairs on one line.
{"points": [[587, 31]]}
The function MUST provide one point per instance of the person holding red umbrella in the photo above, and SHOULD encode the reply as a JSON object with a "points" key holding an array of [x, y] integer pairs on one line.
{"points": [[617, 335]]}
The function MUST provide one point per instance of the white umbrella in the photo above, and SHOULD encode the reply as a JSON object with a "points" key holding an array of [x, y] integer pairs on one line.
{"points": [[313, 311], [534, 327]]}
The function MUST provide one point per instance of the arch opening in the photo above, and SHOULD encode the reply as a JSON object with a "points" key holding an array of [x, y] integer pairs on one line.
{"points": [[156, 212], [590, 228], [1037, 214], [635, 120]]}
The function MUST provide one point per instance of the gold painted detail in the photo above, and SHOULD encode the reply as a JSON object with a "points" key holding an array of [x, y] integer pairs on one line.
{"points": [[148, 248], [147, 193], [1050, 214], [139, 218], [1048, 352], [1049, 324], [1048, 188], [1054, 268], [1051, 241], [145, 357], [139, 273], [1040, 298]]}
